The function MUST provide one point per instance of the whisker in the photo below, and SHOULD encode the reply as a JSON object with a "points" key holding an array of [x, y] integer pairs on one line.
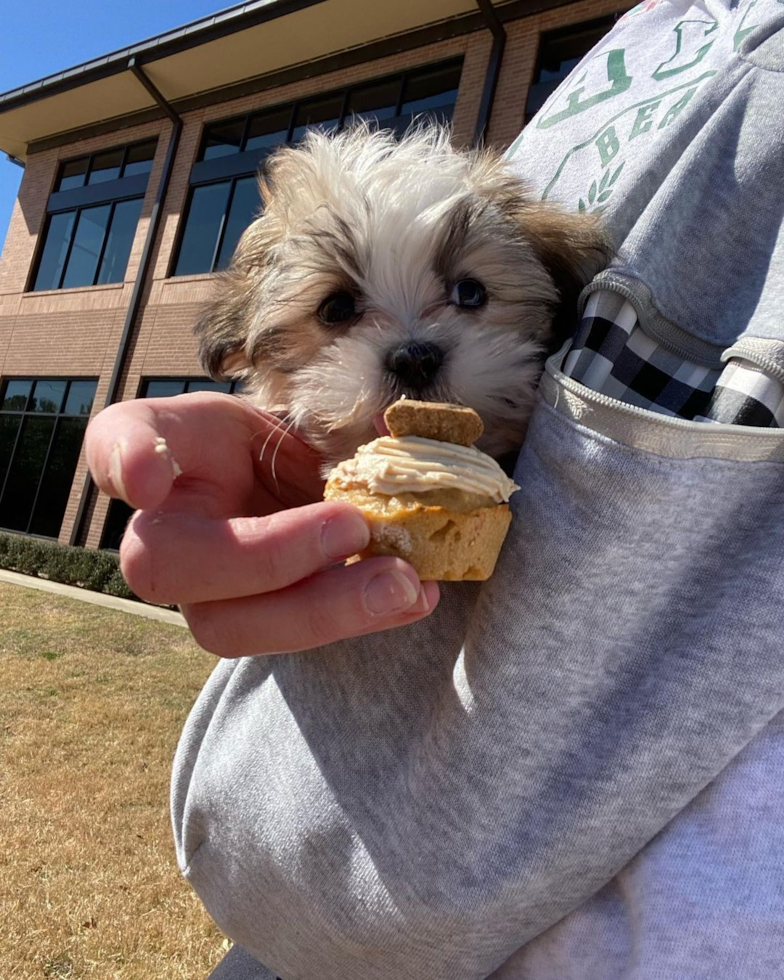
{"points": [[272, 432], [277, 448]]}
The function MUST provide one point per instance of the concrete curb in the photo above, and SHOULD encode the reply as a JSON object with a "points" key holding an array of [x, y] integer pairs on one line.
{"points": [[96, 598]]}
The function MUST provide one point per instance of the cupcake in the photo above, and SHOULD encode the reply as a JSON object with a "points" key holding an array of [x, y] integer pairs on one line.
{"points": [[428, 494]]}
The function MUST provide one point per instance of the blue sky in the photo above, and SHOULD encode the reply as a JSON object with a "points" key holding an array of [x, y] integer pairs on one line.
{"points": [[39, 37]]}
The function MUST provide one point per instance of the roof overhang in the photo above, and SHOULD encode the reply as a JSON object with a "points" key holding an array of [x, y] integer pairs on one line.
{"points": [[247, 41]]}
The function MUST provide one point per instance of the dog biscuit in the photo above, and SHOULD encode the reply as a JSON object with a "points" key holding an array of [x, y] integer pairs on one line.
{"points": [[434, 420]]}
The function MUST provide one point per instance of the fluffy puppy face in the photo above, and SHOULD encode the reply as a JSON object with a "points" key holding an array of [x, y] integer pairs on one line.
{"points": [[380, 268]]}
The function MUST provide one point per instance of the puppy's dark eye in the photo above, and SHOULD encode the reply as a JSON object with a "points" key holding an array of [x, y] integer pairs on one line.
{"points": [[338, 308], [468, 293]]}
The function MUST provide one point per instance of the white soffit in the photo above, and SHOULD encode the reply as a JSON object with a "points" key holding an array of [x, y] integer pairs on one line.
{"points": [[305, 35]]}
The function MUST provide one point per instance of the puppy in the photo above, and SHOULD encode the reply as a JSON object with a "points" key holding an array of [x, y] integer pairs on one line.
{"points": [[379, 268]]}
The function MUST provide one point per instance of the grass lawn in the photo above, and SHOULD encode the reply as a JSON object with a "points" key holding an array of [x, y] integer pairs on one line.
{"points": [[91, 705]]}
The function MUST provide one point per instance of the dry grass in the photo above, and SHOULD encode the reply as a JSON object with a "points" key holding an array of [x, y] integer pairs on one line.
{"points": [[91, 706]]}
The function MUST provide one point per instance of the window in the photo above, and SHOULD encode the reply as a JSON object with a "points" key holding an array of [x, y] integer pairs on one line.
{"points": [[119, 512], [165, 387], [224, 196], [42, 423], [126, 161], [559, 52], [218, 215], [92, 218]]}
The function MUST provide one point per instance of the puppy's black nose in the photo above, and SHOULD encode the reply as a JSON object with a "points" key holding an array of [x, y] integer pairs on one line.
{"points": [[415, 364]]}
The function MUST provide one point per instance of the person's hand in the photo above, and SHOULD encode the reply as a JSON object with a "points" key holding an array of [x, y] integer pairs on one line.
{"points": [[228, 528]]}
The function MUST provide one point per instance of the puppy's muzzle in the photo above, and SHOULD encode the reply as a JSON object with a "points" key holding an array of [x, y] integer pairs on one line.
{"points": [[415, 365]]}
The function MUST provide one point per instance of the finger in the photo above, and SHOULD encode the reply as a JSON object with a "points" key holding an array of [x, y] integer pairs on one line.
{"points": [[136, 449], [172, 557], [121, 444], [353, 600]]}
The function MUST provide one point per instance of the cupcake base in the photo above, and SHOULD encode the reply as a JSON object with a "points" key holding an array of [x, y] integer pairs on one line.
{"points": [[442, 545], [447, 536]]}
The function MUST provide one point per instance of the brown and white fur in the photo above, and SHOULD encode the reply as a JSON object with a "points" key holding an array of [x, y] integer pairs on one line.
{"points": [[391, 228]]}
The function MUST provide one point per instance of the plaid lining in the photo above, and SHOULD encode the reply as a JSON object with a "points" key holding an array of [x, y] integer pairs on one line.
{"points": [[611, 354]]}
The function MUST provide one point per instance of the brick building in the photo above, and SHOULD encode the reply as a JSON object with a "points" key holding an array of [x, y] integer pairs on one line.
{"points": [[139, 179]]}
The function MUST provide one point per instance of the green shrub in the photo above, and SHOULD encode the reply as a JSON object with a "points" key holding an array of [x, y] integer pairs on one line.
{"points": [[103, 567], [57, 566], [116, 585], [98, 571]]}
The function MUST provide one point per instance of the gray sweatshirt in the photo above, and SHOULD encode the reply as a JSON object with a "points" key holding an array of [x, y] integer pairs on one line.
{"points": [[574, 771]]}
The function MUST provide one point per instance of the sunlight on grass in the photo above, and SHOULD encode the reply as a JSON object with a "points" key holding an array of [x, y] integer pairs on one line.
{"points": [[91, 706]]}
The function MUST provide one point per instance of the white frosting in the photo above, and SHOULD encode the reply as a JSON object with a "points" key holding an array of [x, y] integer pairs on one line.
{"points": [[412, 465]]}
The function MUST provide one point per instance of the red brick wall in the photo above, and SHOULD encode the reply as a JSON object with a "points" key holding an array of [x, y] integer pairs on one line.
{"points": [[76, 332]]}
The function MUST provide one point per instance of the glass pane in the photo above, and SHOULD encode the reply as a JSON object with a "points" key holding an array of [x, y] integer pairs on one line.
{"points": [[9, 426], [58, 237], [72, 174], [202, 227], [375, 101], [15, 397], [558, 69], [222, 139], [163, 388], [58, 477], [324, 113], [88, 239], [269, 129], [433, 92], [244, 205], [80, 398], [138, 159], [559, 55], [47, 396], [204, 384], [118, 244], [25, 472], [116, 522], [537, 96], [105, 166]]}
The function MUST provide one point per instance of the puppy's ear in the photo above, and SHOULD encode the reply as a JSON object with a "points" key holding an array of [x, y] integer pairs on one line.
{"points": [[223, 328], [573, 248], [225, 325]]}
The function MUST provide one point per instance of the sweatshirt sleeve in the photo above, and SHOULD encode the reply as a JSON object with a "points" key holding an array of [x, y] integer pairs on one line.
{"points": [[423, 802]]}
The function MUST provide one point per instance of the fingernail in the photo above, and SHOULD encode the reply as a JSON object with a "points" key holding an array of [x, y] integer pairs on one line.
{"points": [[344, 535], [390, 592], [422, 605], [115, 470]]}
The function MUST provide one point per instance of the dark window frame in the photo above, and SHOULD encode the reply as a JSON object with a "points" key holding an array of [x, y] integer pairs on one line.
{"points": [[78, 212], [126, 149], [77, 199], [185, 379], [122, 189], [25, 413], [232, 181], [246, 163], [537, 89]]}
